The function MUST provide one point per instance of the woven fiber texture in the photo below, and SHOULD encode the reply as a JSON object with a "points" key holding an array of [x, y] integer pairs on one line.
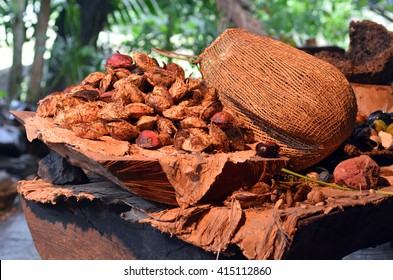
{"points": [[285, 95]]}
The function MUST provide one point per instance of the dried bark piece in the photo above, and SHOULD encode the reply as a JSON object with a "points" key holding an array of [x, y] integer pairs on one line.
{"points": [[176, 113], [175, 69], [159, 77], [159, 99], [193, 122], [145, 62], [236, 138], [89, 130], [122, 130], [147, 123], [148, 139], [47, 107], [218, 139], [197, 141], [137, 110], [82, 113], [165, 126], [178, 90], [119, 60], [245, 199], [93, 79], [113, 111]]}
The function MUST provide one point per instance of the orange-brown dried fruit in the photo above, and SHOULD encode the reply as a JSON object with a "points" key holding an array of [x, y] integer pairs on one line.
{"points": [[93, 79], [107, 82], [165, 139], [148, 139], [211, 94], [147, 123], [210, 108], [159, 99], [47, 107], [236, 138], [113, 111], [175, 69], [176, 113], [82, 113], [192, 140], [122, 130], [119, 60], [218, 139], [91, 130], [86, 92], [193, 122], [165, 126], [137, 110], [178, 90], [122, 73], [159, 77], [145, 62], [127, 93], [223, 120]]}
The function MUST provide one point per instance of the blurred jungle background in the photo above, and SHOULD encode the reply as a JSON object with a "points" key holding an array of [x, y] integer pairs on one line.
{"points": [[46, 45]]}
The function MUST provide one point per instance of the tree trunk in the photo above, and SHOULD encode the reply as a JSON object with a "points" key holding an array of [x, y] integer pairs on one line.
{"points": [[34, 90], [18, 32]]}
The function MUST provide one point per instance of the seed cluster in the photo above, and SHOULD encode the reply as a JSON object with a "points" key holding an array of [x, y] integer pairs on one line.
{"points": [[139, 101]]}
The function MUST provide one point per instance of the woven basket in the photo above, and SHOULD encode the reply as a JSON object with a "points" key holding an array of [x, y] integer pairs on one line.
{"points": [[285, 95]]}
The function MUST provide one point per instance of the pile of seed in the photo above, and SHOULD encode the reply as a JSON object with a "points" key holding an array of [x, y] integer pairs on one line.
{"points": [[138, 100]]}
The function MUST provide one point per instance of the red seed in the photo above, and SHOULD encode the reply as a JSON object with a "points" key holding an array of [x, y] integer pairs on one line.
{"points": [[119, 60], [148, 139]]}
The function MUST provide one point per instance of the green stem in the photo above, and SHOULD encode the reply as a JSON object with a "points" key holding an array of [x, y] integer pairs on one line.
{"points": [[324, 183]]}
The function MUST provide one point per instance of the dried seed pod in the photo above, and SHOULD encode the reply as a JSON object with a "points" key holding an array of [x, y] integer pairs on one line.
{"points": [[148, 139], [176, 113], [145, 62], [176, 70], [193, 84], [93, 79], [218, 138], [236, 138], [122, 130], [91, 130], [180, 137], [211, 94], [82, 113], [193, 122], [107, 82], [178, 90], [86, 92], [165, 139], [159, 99], [197, 141], [127, 93], [137, 110], [210, 108], [122, 73], [47, 107], [119, 60], [68, 102], [223, 120], [147, 123], [159, 77], [195, 111], [138, 80], [106, 96], [113, 111], [165, 126]]}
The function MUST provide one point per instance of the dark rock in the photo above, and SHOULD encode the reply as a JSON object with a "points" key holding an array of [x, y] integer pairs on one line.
{"points": [[55, 169], [357, 173]]}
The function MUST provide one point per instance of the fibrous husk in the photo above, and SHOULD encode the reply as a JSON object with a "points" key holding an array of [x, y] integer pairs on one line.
{"points": [[122, 130], [92, 130]]}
